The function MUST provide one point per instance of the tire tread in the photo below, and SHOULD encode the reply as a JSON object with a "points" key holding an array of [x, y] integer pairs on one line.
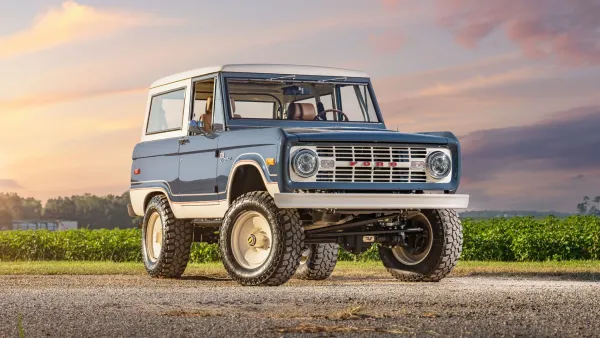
{"points": [[178, 237], [286, 254], [452, 248], [321, 262]]}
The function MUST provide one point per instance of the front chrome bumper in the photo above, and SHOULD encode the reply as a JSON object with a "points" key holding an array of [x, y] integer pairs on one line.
{"points": [[371, 201]]}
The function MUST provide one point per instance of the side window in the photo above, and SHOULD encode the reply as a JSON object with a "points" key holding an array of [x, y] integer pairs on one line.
{"points": [[213, 117], [199, 107], [166, 112]]}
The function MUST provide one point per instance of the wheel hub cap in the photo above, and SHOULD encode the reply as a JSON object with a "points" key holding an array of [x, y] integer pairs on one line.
{"points": [[251, 239], [419, 245]]}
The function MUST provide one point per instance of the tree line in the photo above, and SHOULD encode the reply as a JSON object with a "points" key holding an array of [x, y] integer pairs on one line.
{"points": [[589, 206], [90, 211]]}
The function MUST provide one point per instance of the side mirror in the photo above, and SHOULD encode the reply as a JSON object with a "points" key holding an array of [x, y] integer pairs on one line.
{"points": [[196, 127]]}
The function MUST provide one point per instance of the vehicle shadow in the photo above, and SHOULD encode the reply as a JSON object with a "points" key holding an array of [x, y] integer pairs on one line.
{"points": [[205, 278], [565, 276]]}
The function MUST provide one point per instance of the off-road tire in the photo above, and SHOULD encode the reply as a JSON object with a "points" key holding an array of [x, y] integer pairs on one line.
{"points": [[444, 254], [320, 262], [286, 245], [177, 241]]}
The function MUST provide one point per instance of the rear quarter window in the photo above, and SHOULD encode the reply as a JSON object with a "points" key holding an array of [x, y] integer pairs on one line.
{"points": [[166, 112]]}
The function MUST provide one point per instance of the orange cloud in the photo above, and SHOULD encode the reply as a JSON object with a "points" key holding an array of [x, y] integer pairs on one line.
{"points": [[9, 185], [73, 22], [478, 82], [11, 105]]}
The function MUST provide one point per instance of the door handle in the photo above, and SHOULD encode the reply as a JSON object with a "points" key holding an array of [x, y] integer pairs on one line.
{"points": [[184, 140]]}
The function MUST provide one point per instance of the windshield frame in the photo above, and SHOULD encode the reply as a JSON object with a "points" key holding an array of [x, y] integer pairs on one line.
{"points": [[256, 122]]}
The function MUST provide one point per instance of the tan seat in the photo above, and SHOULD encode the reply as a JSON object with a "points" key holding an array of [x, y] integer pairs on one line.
{"points": [[206, 118], [233, 114], [301, 111]]}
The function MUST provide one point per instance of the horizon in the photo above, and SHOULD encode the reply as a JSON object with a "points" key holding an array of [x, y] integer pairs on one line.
{"points": [[519, 89]]}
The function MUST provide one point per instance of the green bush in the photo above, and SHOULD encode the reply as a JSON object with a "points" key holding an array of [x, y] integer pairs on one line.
{"points": [[75, 245], [498, 239], [528, 239]]}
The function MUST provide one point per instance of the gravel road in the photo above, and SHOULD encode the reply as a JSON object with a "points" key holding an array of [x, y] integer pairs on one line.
{"points": [[115, 306]]}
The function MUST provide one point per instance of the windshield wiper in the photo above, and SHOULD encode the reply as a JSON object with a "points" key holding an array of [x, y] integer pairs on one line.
{"points": [[335, 79]]}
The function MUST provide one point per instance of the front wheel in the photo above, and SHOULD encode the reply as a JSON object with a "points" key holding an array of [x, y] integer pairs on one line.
{"points": [[430, 251], [259, 243]]}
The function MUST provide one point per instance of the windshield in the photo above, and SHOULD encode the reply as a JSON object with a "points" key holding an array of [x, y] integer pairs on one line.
{"points": [[301, 100]]}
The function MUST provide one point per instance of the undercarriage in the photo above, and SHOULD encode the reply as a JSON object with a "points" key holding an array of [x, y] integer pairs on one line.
{"points": [[354, 230]]}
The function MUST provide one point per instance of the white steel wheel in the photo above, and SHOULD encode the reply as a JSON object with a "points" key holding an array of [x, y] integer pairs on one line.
{"points": [[251, 239], [419, 244], [154, 237], [259, 243]]}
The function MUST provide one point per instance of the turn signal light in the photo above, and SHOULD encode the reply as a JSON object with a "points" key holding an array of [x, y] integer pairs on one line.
{"points": [[137, 171], [270, 161]]}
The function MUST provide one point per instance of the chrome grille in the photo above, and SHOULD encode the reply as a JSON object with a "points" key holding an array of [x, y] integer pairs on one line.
{"points": [[344, 155]]}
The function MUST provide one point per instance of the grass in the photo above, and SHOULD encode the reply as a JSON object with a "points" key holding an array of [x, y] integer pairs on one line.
{"points": [[20, 326], [343, 269], [94, 268]]}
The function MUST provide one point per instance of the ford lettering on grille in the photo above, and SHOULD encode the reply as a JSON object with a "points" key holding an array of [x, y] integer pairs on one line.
{"points": [[377, 164]]}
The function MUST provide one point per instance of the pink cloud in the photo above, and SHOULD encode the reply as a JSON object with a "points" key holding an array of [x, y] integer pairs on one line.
{"points": [[390, 4], [387, 42], [567, 31]]}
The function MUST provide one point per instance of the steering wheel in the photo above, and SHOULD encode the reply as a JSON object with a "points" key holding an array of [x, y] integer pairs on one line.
{"points": [[323, 115]]}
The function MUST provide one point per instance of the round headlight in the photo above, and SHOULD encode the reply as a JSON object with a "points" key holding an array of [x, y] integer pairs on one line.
{"points": [[305, 163], [438, 164]]}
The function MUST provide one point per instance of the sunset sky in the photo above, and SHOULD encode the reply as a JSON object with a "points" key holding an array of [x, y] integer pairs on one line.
{"points": [[517, 81]]}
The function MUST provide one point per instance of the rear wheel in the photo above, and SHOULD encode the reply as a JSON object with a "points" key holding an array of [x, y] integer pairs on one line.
{"points": [[427, 255], [166, 240], [318, 261], [260, 244]]}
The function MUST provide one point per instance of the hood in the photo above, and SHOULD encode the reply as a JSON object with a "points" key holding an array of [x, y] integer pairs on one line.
{"points": [[362, 135]]}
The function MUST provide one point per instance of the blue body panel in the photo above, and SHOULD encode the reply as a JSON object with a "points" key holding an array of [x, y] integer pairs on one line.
{"points": [[158, 162], [373, 136], [198, 168], [249, 145]]}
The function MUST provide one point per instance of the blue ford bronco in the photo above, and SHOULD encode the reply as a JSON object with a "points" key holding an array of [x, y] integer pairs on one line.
{"points": [[283, 164]]}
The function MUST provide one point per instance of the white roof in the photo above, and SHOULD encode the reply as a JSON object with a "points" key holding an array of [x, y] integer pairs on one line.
{"points": [[260, 68]]}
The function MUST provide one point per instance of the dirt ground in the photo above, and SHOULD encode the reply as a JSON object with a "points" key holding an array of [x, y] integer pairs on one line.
{"points": [[205, 306]]}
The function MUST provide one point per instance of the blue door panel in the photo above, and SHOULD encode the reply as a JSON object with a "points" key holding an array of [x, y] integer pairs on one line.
{"points": [[198, 167]]}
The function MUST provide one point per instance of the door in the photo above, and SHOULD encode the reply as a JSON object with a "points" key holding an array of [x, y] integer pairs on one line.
{"points": [[198, 153], [197, 168]]}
